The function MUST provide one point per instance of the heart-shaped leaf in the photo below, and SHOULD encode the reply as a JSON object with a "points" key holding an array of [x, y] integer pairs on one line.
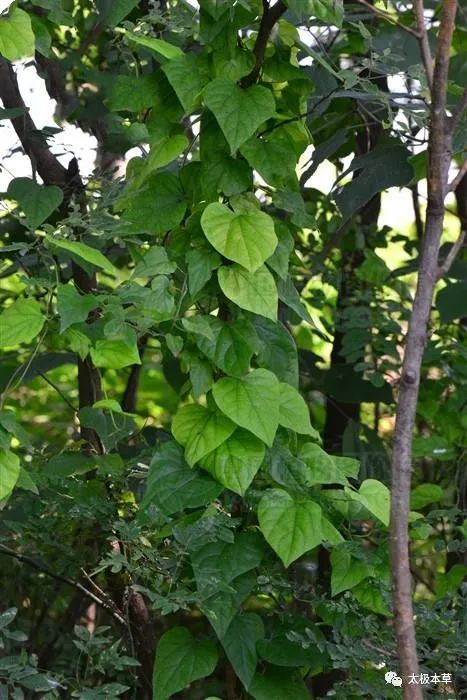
{"points": [[252, 291], [21, 322], [36, 201], [17, 38], [235, 462], [246, 237], [180, 660], [292, 527], [245, 400], [200, 431], [238, 112]]}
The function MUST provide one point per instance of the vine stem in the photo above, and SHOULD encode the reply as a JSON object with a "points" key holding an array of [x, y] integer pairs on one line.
{"points": [[439, 150]]}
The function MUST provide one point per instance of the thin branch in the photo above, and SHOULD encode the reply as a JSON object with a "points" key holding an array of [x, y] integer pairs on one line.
{"points": [[458, 111], [58, 390], [417, 211], [439, 160], [388, 17], [451, 256], [425, 50], [462, 171], [105, 603], [271, 15]]}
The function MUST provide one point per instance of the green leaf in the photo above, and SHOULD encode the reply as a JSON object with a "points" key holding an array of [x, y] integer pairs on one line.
{"points": [[200, 325], [244, 401], [280, 651], [278, 685], [159, 46], [371, 598], [330, 533], [180, 660], [238, 112], [322, 468], [231, 346], [157, 207], [235, 463], [375, 497], [173, 486], [17, 38], [234, 348], [385, 166], [252, 291], [293, 411], [240, 642], [155, 262], [163, 152], [130, 93], [292, 527], [348, 466], [113, 11], [83, 251], [116, 353], [201, 264], [287, 470], [277, 351], [347, 571], [219, 563], [12, 113], [72, 306], [279, 260], [273, 157], [373, 270], [221, 608], [451, 301], [21, 322], [9, 472], [289, 295], [7, 617], [36, 201], [188, 74], [424, 494], [200, 431], [327, 11], [245, 236]]}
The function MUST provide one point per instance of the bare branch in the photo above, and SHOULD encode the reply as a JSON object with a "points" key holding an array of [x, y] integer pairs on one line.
{"points": [[389, 18], [454, 183], [58, 390], [425, 50], [104, 602], [451, 256], [439, 161], [458, 111], [271, 15]]}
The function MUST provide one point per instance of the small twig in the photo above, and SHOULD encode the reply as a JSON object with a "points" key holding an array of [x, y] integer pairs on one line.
{"points": [[458, 111], [104, 603], [422, 37], [270, 16], [388, 17], [385, 652], [58, 390], [462, 171], [451, 256]]}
